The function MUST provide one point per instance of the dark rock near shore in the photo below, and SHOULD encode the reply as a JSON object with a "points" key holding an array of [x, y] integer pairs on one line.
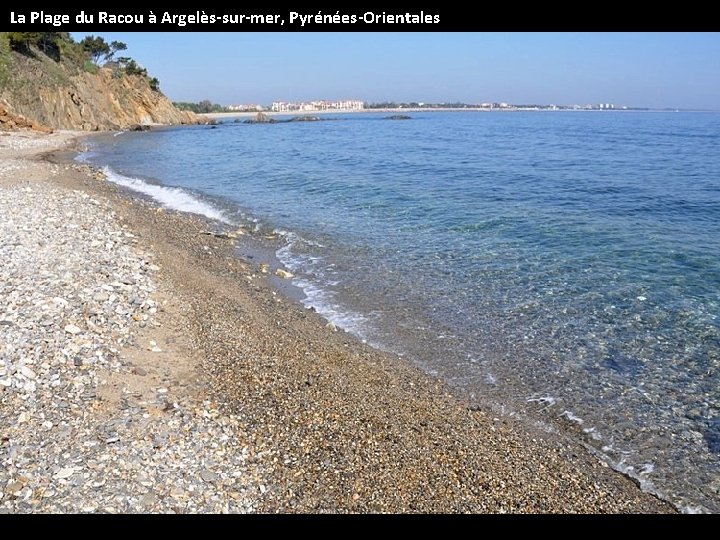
{"points": [[260, 118], [306, 118], [139, 127]]}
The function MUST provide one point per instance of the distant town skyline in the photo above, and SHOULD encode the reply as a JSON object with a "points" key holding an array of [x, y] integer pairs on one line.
{"points": [[656, 70], [357, 105]]}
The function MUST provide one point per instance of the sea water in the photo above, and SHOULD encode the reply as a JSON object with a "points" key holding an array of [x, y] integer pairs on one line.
{"points": [[563, 267]]}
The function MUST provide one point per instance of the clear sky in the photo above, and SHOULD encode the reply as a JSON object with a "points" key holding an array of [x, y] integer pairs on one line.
{"points": [[635, 69]]}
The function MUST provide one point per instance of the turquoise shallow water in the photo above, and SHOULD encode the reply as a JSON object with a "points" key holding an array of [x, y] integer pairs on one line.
{"points": [[560, 266]]}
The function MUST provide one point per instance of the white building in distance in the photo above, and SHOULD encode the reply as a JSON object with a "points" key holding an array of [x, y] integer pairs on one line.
{"points": [[323, 105]]}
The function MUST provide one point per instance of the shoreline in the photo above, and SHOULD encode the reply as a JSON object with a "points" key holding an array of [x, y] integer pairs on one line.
{"points": [[334, 425], [398, 110]]}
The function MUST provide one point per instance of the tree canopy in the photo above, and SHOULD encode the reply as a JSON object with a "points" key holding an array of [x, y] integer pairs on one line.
{"points": [[96, 47], [47, 42], [204, 106], [100, 50]]}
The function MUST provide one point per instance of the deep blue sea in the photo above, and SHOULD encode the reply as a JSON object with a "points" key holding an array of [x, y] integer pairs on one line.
{"points": [[563, 267]]}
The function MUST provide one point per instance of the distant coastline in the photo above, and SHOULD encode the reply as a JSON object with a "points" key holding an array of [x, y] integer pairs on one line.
{"points": [[249, 114]]}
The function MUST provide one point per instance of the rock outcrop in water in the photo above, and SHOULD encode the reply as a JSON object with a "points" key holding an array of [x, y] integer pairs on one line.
{"points": [[306, 118], [60, 92], [261, 118]]}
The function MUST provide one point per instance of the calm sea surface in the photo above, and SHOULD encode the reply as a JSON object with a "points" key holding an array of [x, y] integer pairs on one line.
{"points": [[564, 267]]}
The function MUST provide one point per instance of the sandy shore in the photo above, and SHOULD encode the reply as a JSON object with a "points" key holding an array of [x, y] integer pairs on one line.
{"points": [[260, 406]]}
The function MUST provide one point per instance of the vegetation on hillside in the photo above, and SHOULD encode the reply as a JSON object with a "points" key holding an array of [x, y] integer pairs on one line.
{"points": [[5, 59], [200, 107], [90, 54], [100, 50]]}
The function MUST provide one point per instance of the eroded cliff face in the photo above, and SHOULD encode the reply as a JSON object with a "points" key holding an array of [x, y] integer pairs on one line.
{"points": [[98, 101], [59, 96]]}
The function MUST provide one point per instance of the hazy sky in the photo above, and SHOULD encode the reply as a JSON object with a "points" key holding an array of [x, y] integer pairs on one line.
{"points": [[634, 69]]}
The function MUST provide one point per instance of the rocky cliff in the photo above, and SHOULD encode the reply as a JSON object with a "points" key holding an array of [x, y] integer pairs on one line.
{"points": [[62, 95]]}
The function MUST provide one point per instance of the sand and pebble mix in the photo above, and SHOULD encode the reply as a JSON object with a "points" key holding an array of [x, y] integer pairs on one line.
{"points": [[82, 427]]}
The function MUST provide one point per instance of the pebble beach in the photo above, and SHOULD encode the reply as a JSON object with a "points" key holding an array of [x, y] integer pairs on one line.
{"points": [[145, 367]]}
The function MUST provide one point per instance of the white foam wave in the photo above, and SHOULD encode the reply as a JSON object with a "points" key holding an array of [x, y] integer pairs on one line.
{"points": [[641, 477], [84, 156], [572, 417], [548, 401], [170, 197], [323, 303], [315, 296], [284, 254], [690, 509], [593, 433]]}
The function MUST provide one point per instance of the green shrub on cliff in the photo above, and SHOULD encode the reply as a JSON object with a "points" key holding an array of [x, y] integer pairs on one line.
{"points": [[58, 46], [204, 106], [70, 57], [49, 43], [89, 67], [5, 59], [132, 67]]}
